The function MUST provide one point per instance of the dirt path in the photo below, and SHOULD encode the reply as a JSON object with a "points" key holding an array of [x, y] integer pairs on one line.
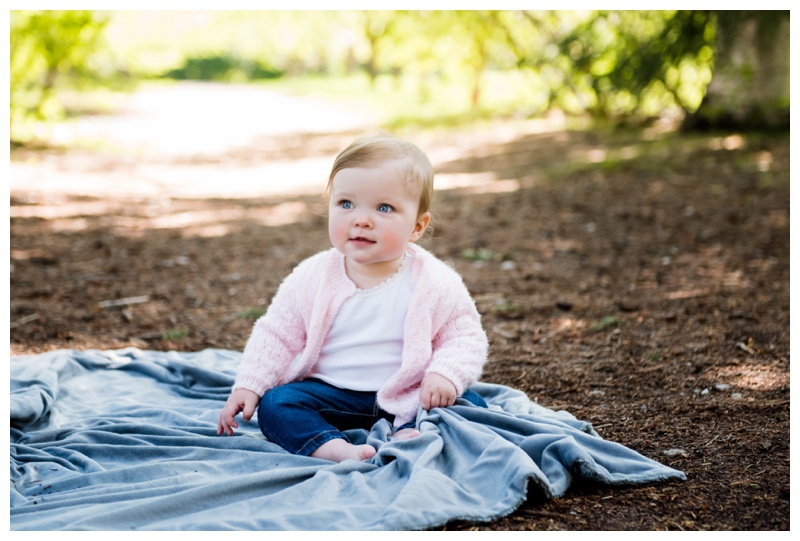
{"points": [[193, 140], [641, 283]]}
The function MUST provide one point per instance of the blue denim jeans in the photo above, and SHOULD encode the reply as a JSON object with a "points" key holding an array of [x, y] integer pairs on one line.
{"points": [[302, 415]]}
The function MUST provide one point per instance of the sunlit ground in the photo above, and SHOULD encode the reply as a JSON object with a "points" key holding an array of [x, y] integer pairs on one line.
{"points": [[207, 140], [754, 377], [191, 118], [182, 141], [202, 140]]}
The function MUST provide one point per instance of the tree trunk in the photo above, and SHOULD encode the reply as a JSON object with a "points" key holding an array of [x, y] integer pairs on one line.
{"points": [[750, 84]]}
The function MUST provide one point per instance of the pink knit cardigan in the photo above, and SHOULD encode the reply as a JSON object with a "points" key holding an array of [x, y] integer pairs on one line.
{"points": [[442, 332]]}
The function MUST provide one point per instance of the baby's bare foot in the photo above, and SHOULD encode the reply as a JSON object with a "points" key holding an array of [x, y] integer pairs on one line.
{"points": [[339, 450], [406, 434]]}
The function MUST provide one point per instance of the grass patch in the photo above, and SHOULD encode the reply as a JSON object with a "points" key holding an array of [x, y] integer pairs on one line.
{"points": [[407, 101], [252, 313], [480, 254], [605, 323], [176, 334], [506, 307]]}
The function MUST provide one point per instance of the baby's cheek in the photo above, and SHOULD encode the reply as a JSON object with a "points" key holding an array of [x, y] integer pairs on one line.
{"points": [[395, 241], [338, 231]]}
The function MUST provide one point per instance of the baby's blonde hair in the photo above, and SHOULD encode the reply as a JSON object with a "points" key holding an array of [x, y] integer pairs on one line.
{"points": [[413, 164]]}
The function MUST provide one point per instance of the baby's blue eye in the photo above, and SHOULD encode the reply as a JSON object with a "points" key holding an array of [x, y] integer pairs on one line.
{"points": [[346, 204], [383, 207]]}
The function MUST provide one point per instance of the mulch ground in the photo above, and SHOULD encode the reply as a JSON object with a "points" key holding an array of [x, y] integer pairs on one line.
{"points": [[645, 291]]}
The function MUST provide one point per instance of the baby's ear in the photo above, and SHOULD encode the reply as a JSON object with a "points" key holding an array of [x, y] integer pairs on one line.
{"points": [[420, 227]]}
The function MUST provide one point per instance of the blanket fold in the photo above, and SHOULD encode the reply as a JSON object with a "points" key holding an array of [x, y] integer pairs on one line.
{"points": [[126, 440]]}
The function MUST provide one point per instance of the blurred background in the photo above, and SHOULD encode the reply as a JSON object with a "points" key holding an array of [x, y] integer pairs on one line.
{"points": [[415, 67], [152, 96]]}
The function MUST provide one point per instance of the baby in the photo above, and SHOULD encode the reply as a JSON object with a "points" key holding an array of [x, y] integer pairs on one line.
{"points": [[370, 329]]}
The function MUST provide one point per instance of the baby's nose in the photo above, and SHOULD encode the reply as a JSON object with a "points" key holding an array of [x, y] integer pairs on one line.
{"points": [[363, 220]]}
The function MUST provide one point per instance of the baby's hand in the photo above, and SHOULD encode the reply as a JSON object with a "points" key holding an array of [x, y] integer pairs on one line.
{"points": [[437, 392], [239, 400]]}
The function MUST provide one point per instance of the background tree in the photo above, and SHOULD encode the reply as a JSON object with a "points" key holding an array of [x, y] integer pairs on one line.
{"points": [[722, 69], [47, 46], [750, 87], [377, 27], [627, 57]]}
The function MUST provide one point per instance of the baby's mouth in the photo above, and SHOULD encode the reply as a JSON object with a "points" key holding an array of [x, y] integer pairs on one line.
{"points": [[362, 239]]}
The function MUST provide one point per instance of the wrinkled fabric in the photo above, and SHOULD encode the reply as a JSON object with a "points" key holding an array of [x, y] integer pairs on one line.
{"points": [[126, 440]]}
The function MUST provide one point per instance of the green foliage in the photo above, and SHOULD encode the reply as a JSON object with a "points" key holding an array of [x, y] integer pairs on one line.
{"points": [[606, 63], [641, 61], [222, 68], [425, 67], [48, 48]]}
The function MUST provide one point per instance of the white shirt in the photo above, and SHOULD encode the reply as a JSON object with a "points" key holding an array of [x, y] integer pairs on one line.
{"points": [[364, 346]]}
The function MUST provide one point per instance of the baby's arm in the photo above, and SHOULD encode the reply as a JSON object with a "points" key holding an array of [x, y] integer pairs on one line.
{"points": [[240, 400], [437, 392], [277, 337], [459, 348]]}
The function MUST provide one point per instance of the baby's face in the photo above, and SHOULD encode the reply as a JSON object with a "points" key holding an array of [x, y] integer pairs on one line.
{"points": [[372, 216]]}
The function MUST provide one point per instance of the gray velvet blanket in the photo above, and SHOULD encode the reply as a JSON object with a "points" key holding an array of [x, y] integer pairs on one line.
{"points": [[126, 440]]}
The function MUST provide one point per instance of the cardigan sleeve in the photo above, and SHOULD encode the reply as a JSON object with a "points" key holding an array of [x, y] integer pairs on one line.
{"points": [[460, 347], [277, 338]]}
